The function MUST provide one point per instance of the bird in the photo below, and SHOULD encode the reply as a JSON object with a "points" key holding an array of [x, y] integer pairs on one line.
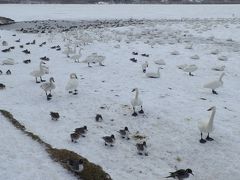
{"points": [[195, 57], [74, 137], [153, 74], [48, 86], [72, 84], [1, 72], [2, 86], [54, 115], [109, 140], [142, 148], [215, 84], [94, 58], [124, 133], [207, 126], [81, 131], [160, 62], [8, 61], [219, 68], [40, 72], [76, 57], [144, 66], [75, 165], [190, 68], [136, 102], [180, 174], [8, 72], [98, 117]]}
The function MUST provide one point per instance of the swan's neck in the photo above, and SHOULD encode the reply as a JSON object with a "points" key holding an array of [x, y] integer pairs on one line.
{"points": [[136, 95], [220, 79], [41, 67], [212, 117]]}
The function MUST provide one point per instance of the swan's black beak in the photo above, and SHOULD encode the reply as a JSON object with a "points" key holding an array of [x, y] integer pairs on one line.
{"points": [[192, 174], [133, 90], [209, 109]]}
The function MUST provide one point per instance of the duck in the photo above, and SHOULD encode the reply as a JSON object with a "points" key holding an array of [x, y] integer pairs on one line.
{"points": [[48, 86], [74, 137], [109, 140], [98, 117], [195, 57], [8, 72], [55, 116], [39, 73], [2, 86], [136, 102], [154, 75], [144, 66], [81, 131], [207, 126], [215, 84], [72, 84], [124, 133], [190, 68], [75, 165], [142, 148], [180, 174]]}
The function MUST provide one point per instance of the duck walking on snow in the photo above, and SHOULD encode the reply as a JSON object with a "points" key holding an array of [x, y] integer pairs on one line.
{"points": [[136, 102], [109, 140], [124, 133], [207, 126], [180, 174], [142, 148], [48, 87], [72, 84], [215, 84]]}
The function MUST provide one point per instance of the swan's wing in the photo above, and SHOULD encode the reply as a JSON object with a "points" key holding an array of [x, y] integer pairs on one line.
{"points": [[212, 85]]}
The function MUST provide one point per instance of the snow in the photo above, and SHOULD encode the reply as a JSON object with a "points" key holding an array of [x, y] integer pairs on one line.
{"points": [[172, 103], [22, 158]]}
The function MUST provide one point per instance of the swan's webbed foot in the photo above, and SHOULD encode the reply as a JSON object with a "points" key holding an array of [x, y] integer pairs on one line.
{"points": [[134, 114], [141, 111], [37, 81], [75, 92], [214, 92], [209, 138], [144, 70], [190, 74], [50, 95], [140, 153], [202, 141], [49, 98]]}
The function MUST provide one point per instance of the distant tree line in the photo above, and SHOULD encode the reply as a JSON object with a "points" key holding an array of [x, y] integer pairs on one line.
{"points": [[124, 1]]}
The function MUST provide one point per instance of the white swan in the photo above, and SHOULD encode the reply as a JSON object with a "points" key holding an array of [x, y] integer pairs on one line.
{"points": [[94, 58], [175, 53], [76, 57], [8, 61], [215, 84], [160, 62], [190, 68], [72, 84], [207, 126], [144, 66], [154, 75], [136, 102], [39, 73], [222, 58], [48, 86], [219, 68], [195, 57]]}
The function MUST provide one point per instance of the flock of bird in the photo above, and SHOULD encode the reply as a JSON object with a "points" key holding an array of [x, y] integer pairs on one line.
{"points": [[82, 39]]}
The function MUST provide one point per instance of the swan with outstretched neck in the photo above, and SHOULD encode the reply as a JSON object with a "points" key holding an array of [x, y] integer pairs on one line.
{"points": [[215, 84], [136, 102]]}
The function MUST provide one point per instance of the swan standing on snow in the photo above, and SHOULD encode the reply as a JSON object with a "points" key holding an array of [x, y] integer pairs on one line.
{"points": [[48, 86], [76, 57], [39, 73], [154, 75], [72, 84], [144, 66], [215, 84], [94, 58], [207, 126], [136, 102], [190, 68]]}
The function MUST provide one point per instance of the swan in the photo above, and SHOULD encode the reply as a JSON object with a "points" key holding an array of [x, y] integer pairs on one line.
{"points": [[154, 75], [222, 58], [94, 58], [39, 73], [190, 68], [195, 57], [207, 126], [67, 51], [72, 84], [144, 66], [8, 61], [215, 84], [76, 57], [175, 53], [48, 86], [160, 62], [182, 66], [136, 102], [219, 68]]}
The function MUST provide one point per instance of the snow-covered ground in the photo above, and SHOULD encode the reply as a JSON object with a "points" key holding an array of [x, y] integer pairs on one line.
{"points": [[172, 103], [21, 158]]}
